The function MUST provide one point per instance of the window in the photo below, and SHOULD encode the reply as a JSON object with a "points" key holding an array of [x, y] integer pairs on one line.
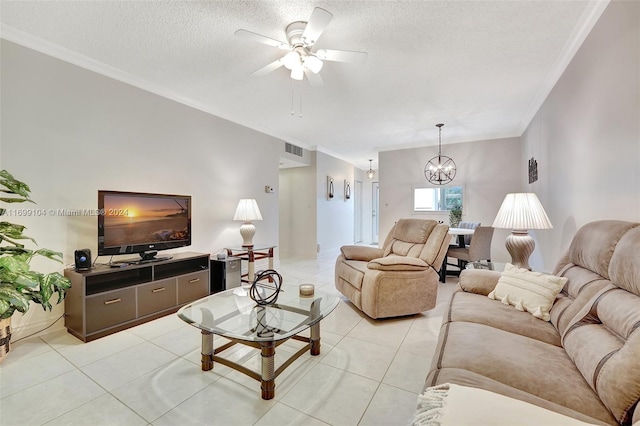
{"points": [[436, 199]]}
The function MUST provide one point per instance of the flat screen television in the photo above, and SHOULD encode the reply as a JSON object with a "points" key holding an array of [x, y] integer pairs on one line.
{"points": [[142, 223]]}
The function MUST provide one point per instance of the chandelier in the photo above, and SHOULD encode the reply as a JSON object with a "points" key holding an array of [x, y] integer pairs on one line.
{"points": [[440, 170], [370, 172]]}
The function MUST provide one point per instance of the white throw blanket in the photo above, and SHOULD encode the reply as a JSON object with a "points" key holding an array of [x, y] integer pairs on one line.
{"points": [[453, 405]]}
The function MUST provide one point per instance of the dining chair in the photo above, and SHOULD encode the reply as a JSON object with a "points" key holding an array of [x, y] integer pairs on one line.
{"points": [[479, 249], [468, 225]]}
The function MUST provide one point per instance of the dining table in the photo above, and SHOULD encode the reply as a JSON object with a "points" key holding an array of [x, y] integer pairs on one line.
{"points": [[459, 233]]}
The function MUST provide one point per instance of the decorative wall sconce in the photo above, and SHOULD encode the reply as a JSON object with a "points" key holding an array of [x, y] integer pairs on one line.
{"points": [[329, 187], [533, 170], [347, 190]]}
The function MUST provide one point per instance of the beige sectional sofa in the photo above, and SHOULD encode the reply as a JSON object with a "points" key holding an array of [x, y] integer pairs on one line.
{"points": [[583, 363]]}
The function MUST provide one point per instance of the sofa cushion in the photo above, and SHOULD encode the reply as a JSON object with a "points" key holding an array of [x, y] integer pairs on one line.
{"points": [[520, 362], [624, 268], [605, 346], [469, 307], [435, 249], [397, 263], [361, 252], [468, 378], [479, 281], [593, 244], [413, 230], [582, 284], [533, 292], [408, 236], [403, 248]]}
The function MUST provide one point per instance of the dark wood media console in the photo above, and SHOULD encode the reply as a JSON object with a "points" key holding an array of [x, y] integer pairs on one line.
{"points": [[105, 300]]}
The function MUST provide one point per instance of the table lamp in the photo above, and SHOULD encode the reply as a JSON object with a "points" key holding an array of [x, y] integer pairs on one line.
{"points": [[247, 211], [521, 212]]}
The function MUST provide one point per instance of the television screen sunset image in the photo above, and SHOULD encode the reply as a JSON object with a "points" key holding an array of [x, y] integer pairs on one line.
{"points": [[142, 219]]}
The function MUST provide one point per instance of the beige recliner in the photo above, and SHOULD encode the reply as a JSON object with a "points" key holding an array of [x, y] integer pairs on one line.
{"points": [[401, 278]]}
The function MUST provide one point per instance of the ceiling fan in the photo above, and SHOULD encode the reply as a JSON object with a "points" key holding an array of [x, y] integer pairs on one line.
{"points": [[301, 59]]}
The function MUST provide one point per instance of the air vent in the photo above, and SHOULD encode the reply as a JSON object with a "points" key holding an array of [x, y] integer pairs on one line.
{"points": [[292, 149]]}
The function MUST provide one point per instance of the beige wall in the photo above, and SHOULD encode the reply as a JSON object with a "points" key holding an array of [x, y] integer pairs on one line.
{"points": [[486, 169], [586, 135], [335, 216], [69, 132], [298, 207]]}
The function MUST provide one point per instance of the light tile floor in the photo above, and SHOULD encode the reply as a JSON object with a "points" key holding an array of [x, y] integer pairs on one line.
{"points": [[369, 372]]}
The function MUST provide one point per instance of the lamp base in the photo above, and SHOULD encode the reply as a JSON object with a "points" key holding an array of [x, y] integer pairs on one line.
{"points": [[247, 230], [520, 245]]}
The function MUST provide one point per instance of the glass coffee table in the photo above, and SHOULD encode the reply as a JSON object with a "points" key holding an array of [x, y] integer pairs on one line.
{"points": [[240, 320]]}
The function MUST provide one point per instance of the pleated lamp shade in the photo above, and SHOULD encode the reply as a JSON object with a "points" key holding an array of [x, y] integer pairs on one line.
{"points": [[247, 211], [522, 211]]}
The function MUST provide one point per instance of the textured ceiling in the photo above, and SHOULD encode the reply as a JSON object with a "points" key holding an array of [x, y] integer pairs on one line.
{"points": [[481, 67]]}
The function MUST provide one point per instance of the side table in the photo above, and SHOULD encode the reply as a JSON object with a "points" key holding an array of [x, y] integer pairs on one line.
{"points": [[251, 254], [491, 266]]}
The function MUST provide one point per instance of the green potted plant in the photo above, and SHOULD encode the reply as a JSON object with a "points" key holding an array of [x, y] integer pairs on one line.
{"points": [[19, 285], [455, 215]]}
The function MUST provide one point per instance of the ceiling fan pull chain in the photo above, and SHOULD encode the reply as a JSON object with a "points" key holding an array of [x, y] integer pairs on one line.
{"points": [[300, 91], [292, 111]]}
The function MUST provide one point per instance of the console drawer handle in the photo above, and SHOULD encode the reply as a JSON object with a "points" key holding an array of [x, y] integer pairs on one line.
{"points": [[109, 302], [158, 290], [195, 280]]}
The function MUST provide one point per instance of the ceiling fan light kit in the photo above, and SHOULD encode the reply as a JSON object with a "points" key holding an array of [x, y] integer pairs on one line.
{"points": [[301, 38]]}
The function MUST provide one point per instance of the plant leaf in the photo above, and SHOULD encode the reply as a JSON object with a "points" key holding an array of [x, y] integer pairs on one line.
{"points": [[14, 185], [14, 200], [8, 312], [13, 231], [13, 263], [20, 280], [50, 254], [14, 251], [14, 297], [4, 307]]}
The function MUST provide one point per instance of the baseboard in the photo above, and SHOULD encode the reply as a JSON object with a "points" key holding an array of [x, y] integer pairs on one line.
{"points": [[31, 329], [298, 254]]}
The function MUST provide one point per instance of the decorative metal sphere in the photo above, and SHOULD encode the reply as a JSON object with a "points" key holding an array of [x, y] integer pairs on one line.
{"points": [[440, 170], [266, 293]]}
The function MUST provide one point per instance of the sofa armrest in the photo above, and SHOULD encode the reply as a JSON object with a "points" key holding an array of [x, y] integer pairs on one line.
{"points": [[479, 281], [361, 253], [398, 263]]}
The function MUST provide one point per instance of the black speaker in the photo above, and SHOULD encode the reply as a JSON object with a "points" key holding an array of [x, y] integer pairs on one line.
{"points": [[83, 259]]}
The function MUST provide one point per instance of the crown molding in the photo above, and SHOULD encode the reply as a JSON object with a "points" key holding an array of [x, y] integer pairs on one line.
{"points": [[590, 16]]}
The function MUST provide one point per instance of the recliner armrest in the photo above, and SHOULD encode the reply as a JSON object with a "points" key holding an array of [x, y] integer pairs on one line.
{"points": [[398, 263], [361, 252], [479, 281]]}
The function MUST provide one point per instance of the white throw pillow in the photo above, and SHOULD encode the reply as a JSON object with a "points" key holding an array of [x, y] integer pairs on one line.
{"points": [[533, 292]]}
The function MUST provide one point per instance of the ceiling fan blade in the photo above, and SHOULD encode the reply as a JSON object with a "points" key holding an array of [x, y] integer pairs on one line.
{"points": [[268, 68], [263, 39], [314, 79], [318, 22], [342, 56]]}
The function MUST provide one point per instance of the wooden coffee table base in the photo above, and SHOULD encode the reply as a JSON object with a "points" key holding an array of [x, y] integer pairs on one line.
{"points": [[268, 373]]}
